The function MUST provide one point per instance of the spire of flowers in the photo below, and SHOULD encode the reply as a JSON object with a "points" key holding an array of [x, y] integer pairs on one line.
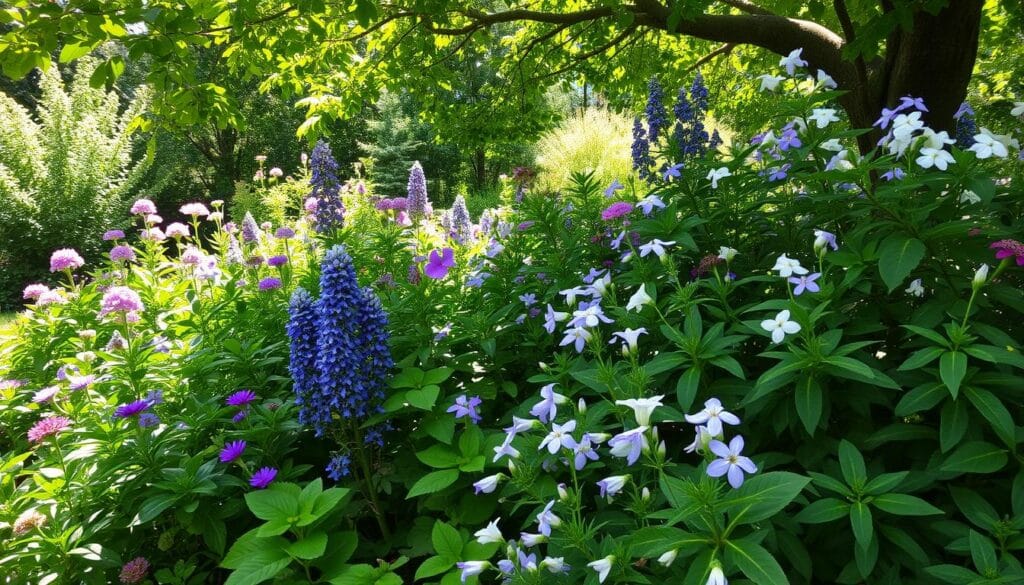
{"points": [[657, 117], [966, 127], [462, 226], [641, 150], [301, 331], [417, 192], [330, 211]]}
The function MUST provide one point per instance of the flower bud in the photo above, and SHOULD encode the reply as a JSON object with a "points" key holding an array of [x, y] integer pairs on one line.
{"points": [[582, 406], [645, 494], [980, 276], [668, 558], [563, 494], [511, 466], [662, 450], [87, 333]]}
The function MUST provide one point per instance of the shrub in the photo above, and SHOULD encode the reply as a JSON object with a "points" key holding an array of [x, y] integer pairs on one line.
{"points": [[65, 176], [596, 140]]}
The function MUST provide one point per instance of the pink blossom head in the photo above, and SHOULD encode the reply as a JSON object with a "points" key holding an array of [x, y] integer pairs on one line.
{"points": [[34, 291], [1009, 249], [143, 207], [310, 205], [192, 255], [48, 427], [65, 259], [122, 253], [195, 210], [121, 299], [153, 234], [276, 173], [134, 571], [616, 210], [51, 297], [154, 219], [176, 230], [113, 235]]}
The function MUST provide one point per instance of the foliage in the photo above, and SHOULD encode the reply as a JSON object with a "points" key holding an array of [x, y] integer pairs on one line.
{"points": [[596, 140], [278, 200], [65, 173]]}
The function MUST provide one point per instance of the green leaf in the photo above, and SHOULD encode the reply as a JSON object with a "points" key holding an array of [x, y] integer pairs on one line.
{"points": [[325, 503], [993, 411], [360, 574], [852, 464], [860, 521], [954, 574], [756, 563], [923, 397], [976, 508], [933, 336], [921, 358], [830, 483], [904, 505], [424, 398], [952, 369], [686, 387], [975, 457], [762, 496], [983, 553], [824, 510], [280, 501], [469, 442], [898, 256], [154, 505], [447, 541], [885, 483], [432, 482], [309, 547], [664, 362], [808, 403], [952, 424], [439, 456], [72, 51], [436, 376], [433, 566], [255, 559], [651, 541]]}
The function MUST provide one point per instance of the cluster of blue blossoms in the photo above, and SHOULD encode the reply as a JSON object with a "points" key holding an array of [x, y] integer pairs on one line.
{"points": [[330, 211], [688, 138], [340, 358]]}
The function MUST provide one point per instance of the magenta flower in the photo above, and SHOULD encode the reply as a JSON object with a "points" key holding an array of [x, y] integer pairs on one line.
{"points": [[232, 451], [1009, 249], [113, 235], [65, 259], [263, 477], [616, 210], [34, 291], [732, 464], [122, 253], [134, 571], [143, 207], [120, 299], [438, 264], [194, 209], [806, 282], [241, 398], [132, 409], [525, 225], [47, 427], [270, 283], [464, 407]]}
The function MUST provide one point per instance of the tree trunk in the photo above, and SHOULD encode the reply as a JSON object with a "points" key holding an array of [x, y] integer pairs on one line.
{"points": [[479, 168]]}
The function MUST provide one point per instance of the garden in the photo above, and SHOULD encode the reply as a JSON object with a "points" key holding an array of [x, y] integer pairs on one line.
{"points": [[596, 293]]}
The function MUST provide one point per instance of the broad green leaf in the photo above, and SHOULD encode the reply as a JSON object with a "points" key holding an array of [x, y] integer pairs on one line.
{"points": [[686, 387], [762, 496], [982, 553], [277, 502], [952, 369], [325, 502], [904, 505], [664, 362], [447, 541], [432, 482], [921, 358], [808, 403], [824, 510], [992, 410], [954, 574], [436, 376], [860, 521], [433, 566], [885, 483], [975, 457], [423, 398], [308, 547], [439, 457], [830, 483], [852, 464], [154, 505], [976, 508], [952, 423], [756, 563], [469, 442], [651, 541], [72, 51], [923, 397], [898, 256]]}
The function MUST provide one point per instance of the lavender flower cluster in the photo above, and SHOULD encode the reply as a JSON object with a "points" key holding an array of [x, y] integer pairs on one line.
{"points": [[330, 211]]}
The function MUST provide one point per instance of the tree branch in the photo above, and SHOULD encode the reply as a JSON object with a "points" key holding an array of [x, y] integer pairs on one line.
{"points": [[723, 50], [851, 35], [748, 7]]}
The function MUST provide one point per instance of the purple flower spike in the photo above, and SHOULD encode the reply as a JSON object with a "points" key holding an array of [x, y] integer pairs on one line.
{"points": [[438, 264]]}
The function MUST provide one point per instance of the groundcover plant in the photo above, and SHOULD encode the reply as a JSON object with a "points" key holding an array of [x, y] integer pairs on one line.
{"points": [[768, 361]]}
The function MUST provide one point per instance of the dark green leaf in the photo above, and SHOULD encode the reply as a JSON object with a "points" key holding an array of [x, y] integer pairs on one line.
{"points": [[975, 457]]}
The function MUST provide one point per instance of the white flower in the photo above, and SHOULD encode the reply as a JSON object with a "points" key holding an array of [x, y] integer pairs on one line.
{"points": [[603, 567], [841, 161], [657, 246], [969, 197], [666, 559], [470, 568], [571, 293], [899, 145], [788, 266], [717, 577], [555, 564], [712, 417], [629, 337], [915, 288], [642, 408], [1018, 109], [530, 540], [599, 288], [987, 144], [825, 80], [611, 486], [488, 484], [770, 82], [489, 534], [726, 253], [933, 157], [780, 326], [715, 174], [639, 299], [791, 61], [933, 139], [832, 144], [559, 437], [980, 276], [701, 436], [822, 117], [906, 124]]}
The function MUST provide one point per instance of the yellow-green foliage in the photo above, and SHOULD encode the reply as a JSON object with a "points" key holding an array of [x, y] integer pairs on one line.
{"points": [[276, 201], [597, 140]]}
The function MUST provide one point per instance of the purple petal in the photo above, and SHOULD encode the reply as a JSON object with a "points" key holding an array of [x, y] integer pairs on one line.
{"points": [[718, 468], [719, 448], [735, 476]]}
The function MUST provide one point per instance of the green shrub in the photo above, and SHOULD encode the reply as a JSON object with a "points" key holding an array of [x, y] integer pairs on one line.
{"points": [[597, 140]]}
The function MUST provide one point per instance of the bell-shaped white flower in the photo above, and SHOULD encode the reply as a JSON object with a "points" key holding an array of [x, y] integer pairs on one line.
{"points": [[639, 299], [489, 534], [603, 567], [642, 408]]}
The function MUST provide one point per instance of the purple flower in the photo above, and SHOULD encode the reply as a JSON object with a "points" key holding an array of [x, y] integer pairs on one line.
{"points": [[546, 519], [284, 233], [529, 299], [523, 226], [713, 416], [148, 419], [779, 173], [894, 174], [263, 477], [270, 283], [113, 235], [547, 408], [79, 382], [34, 291], [911, 102], [232, 451], [464, 407], [134, 571], [46, 394], [132, 409], [276, 261], [629, 444], [615, 186], [616, 210], [886, 117], [417, 192], [805, 282], [122, 253], [1009, 249], [239, 416], [65, 259], [584, 450], [789, 139], [120, 299], [438, 264], [672, 171], [732, 463], [143, 207], [647, 204], [241, 398]]}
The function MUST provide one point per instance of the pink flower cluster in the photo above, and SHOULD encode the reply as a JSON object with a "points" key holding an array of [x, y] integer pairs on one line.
{"points": [[616, 210], [65, 259], [121, 299]]}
